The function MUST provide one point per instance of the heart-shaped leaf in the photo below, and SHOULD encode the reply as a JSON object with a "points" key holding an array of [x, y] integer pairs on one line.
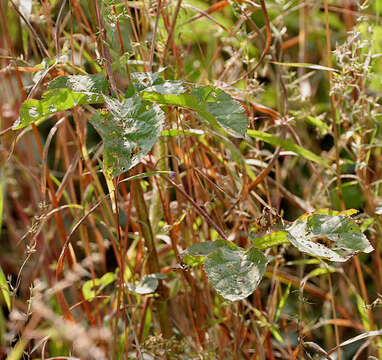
{"points": [[235, 274], [129, 130]]}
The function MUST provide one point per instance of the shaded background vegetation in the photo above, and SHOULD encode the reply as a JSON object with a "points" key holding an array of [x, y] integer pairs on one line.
{"points": [[250, 50]]}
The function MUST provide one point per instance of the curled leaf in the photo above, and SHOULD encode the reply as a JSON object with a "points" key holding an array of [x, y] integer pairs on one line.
{"points": [[341, 235]]}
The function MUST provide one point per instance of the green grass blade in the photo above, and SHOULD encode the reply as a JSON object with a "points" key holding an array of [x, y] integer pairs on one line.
{"points": [[305, 65], [5, 289], [287, 145]]}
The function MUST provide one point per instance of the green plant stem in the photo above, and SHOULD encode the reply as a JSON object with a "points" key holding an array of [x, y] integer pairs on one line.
{"points": [[105, 51], [335, 137], [152, 258]]}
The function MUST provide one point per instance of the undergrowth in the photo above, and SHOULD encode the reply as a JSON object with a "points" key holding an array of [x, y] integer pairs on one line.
{"points": [[190, 179]]}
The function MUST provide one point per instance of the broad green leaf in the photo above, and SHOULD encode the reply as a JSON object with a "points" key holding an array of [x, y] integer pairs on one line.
{"points": [[195, 254], [273, 239], [287, 145], [147, 285], [63, 93], [129, 131], [341, 234], [214, 105], [154, 83], [305, 65], [4, 289], [93, 287], [81, 83], [235, 274], [52, 102]]}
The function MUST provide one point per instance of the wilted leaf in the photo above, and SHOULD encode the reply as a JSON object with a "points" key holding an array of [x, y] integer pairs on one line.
{"points": [[342, 235], [129, 131], [235, 274]]}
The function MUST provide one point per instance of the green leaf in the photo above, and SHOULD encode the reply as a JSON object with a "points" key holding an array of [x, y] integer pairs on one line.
{"points": [[146, 174], [324, 128], [147, 285], [214, 105], [235, 274], [326, 211], [287, 145], [342, 235], [195, 254], [4, 289], [18, 349], [282, 302], [305, 65], [52, 102], [129, 131], [63, 93], [176, 132], [2, 193], [81, 83], [153, 82], [273, 239], [93, 287], [362, 309]]}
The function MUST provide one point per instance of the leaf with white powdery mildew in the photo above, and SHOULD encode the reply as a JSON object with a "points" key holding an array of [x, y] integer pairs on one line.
{"points": [[63, 93], [235, 274], [195, 254], [343, 234], [129, 131], [147, 285]]}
